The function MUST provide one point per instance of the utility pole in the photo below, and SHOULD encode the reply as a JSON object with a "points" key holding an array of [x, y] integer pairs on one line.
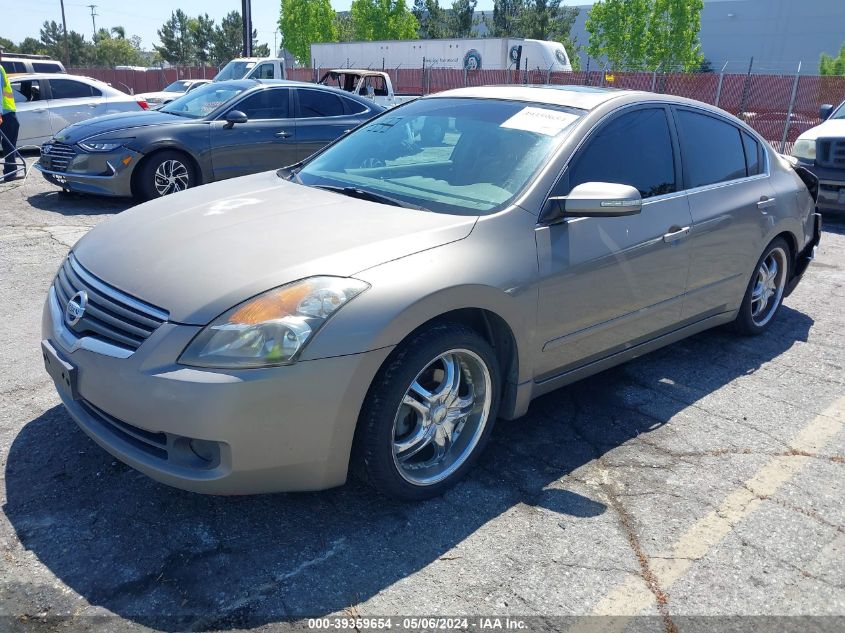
{"points": [[93, 16], [64, 28], [246, 13]]}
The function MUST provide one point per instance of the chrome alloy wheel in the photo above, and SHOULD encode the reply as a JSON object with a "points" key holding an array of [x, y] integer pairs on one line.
{"points": [[769, 284], [442, 417], [171, 176]]}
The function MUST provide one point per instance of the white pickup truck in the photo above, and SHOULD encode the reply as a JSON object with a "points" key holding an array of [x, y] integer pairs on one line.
{"points": [[372, 84], [253, 68]]}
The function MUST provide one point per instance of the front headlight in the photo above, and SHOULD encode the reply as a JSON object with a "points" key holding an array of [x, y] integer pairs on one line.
{"points": [[272, 328], [103, 146], [804, 149]]}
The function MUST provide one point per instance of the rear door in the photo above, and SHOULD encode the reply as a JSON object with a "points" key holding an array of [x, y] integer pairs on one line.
{"points": [[322, 116], [727, 182], [71, 101], [610, 283], [266, 141], [33, 115]]}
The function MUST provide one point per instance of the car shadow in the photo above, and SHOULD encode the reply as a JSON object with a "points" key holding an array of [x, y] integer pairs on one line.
{"points": [[172, 560], [58, 201]]}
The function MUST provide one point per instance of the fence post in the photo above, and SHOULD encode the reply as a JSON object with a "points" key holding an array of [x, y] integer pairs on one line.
{"points": [[549, 75], [465, 76], [603, 71], [746, 89], [525, 74], [654, 78], [422, 79], [719, 85], [791, 106]]}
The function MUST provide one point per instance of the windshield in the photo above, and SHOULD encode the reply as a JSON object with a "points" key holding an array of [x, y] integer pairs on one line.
{"points": [[840, 112], [464, 156], [234, 70], [177, 86], [202, 101]]}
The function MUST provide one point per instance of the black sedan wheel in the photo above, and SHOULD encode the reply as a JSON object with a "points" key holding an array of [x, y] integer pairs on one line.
{"points": [[165, 173]]}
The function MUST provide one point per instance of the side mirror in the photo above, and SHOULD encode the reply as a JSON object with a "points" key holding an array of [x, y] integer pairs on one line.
{"points": [[234, 116], [825, 111], [594, 200]]}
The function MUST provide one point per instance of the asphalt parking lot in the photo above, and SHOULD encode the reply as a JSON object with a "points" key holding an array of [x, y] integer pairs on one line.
{"points": [[706, 479]]}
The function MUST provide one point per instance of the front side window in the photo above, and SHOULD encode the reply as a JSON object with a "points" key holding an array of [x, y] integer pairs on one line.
{"points": [[448, 155], [711, 149], [70, 89], [317, 103], [202, 101], [265, 104], [633, 149]]}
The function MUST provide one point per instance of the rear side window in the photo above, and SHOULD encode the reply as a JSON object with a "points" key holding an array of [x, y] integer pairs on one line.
{"points": [[712, 150], [70, 89], [316, 103], [633, 149], [752, 154], [46, 67], [265, 104]]}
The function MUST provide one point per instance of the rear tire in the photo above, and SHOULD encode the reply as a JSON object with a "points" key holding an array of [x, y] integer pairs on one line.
{"points": [[764, 294], [429, 413], [164, 173]]}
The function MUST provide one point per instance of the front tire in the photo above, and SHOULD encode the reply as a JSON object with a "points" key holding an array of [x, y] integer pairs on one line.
{"points": [[164, 173], [429, 413], [764, 295]]}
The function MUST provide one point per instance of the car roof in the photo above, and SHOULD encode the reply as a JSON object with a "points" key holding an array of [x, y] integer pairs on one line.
{"points": [[31, 76], [582, 97]]}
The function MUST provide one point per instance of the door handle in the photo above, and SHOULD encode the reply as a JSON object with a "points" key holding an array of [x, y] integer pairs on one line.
{"points": [[765, 203], [38, 111], [282, 134], [674, 236]]}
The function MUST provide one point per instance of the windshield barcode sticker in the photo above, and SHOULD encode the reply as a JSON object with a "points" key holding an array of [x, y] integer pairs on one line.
{"points": [[541, 121]]}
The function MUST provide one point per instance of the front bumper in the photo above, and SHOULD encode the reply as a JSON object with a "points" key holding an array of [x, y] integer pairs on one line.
{"points": [[264, 430], [831, 187], [101, 173]]}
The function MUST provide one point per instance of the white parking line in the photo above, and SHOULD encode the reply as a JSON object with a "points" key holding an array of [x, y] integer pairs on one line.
{"points": [[633, 596]]}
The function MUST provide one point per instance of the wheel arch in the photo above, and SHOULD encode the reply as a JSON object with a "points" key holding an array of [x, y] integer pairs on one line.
{"points": [[198, 171]]}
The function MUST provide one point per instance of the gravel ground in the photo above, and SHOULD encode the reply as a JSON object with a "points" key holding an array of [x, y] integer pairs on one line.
{"points": [[706, 479]]}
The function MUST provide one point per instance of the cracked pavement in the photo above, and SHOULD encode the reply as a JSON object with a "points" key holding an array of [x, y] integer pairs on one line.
{"points": [[705, 479]]}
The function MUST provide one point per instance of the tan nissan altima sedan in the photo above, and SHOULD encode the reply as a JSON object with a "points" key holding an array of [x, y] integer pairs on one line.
{"points": [[376, 307]]}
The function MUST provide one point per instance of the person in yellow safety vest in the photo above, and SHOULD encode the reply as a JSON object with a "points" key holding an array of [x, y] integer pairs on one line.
{"points": [[8, 125]]}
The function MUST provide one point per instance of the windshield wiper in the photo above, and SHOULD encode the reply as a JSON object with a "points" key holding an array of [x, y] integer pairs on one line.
{"points": [[289, 172], [363, 194]]}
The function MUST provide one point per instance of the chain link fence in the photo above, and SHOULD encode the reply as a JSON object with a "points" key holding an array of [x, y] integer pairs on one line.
{"points": [[779, 107]]}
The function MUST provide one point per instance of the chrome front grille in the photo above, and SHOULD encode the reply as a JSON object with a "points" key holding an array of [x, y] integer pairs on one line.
{"points": [[57, 156], [109, 314], [830, 153]]}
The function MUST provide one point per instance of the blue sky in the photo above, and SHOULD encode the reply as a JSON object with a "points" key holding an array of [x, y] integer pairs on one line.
{"points": [[22, 18]]}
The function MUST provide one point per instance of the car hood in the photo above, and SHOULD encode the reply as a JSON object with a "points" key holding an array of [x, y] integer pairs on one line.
{"points": [[117, 124], [197, 253], [832, 128]]}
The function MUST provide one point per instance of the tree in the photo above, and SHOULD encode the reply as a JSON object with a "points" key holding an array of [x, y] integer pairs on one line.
{"points": [[672, 40], [646, 34], [201, 29], [432, 18], [80, 52], [829, 65], [119, 32], [177, 46], [461, 18], [343, 27], [228, 40], [383, 20], [303, 22], [8, 45], [116, 51], [31, 46], [503, 23]]}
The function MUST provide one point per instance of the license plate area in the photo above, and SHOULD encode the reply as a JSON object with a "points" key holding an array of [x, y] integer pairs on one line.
{"points": [[61, 371]]}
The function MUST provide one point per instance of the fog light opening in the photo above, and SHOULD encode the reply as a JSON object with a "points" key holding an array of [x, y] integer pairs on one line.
{"points": [[206, 451]]}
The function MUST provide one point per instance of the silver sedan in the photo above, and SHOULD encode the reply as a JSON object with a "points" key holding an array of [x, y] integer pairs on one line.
{"points": [[376, 307]]}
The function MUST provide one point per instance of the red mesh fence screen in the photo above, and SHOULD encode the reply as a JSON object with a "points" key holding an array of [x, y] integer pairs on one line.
{"points": [[761, 100]]}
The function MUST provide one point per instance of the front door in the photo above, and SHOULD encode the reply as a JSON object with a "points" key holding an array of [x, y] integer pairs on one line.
{"points": [[607, 284], [266, 141]]}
